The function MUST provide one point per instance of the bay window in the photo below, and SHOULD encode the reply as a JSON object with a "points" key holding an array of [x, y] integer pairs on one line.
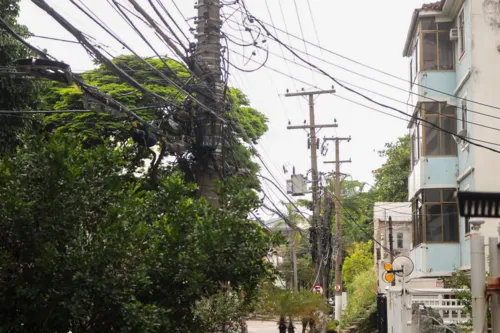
{"points": [[435, 141], [435, 217], [427, 140], [437, 48]]}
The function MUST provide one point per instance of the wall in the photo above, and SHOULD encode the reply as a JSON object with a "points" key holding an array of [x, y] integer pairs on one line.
{"points": [[443, 257], [443, 82], [433, 172], [484, 87]]}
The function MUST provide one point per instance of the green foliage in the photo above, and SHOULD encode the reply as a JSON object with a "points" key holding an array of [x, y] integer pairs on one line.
{"points": [[391, 179], [360, 259], [84, 248], [288, 304], [16, 93], [362, 300], [222, 312], [460, 282]]}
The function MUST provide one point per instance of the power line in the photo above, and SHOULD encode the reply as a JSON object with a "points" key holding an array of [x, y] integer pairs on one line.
{"points": [[385, 96], [322, 59], [368, 66], [470, 140], [374, 101]]}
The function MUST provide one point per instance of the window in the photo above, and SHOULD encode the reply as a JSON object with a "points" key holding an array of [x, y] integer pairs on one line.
{"points": [[435, 217], [437, 142], [461, 32], [400, 240], [437, 48]]}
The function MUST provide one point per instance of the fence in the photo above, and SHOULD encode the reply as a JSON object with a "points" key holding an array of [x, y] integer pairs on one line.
{"points": [[399, 307]]}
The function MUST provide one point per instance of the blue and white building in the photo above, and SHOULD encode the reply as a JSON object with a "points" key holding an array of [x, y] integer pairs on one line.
{"points": [[453, 51]]}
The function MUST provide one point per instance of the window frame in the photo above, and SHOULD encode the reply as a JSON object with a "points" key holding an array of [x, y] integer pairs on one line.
{"points": [[440, 115], [399, 239], [420, 235], [437, 31], [460, 25]]}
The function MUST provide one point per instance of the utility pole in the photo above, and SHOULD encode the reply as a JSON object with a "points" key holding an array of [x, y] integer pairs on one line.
{"points": [[209, 139], [478, 273], [391, 246], [338, 260], [495, 277], [315, 237]]}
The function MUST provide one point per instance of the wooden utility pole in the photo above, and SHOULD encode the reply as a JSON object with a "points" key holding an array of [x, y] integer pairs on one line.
{"points": [[338, 260], [315, 237], [209, 139]]}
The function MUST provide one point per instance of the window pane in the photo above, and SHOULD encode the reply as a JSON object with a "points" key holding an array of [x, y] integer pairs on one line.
{"points": [[445, 26], [449, 195], [431, 108], [429, 51], [450, 223], [446, 60], [428, 23], [449, 110], [434, 232], [432, 196], [400, 240], [449, 123], [431, 137]]}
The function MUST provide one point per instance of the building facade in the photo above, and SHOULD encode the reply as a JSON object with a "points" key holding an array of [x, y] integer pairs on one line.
{"points": [[453, 51]]}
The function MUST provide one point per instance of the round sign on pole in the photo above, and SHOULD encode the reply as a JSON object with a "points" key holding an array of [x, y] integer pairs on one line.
{"points": [[318, 289], [338, 287]]}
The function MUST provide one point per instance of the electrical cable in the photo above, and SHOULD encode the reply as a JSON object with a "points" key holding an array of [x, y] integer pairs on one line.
{"points": [[383, 95], [390, 107], [322, 59], [367, 66], [173, 20]]}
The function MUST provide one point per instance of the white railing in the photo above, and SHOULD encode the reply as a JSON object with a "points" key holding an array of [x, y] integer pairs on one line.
{"points": [[399, 307]]}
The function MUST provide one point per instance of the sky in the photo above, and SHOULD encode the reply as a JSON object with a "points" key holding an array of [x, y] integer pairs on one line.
{"points": [[370, 32]]}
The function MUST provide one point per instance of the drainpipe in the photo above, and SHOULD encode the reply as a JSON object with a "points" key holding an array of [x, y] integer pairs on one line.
{"points": [[478, 274]]}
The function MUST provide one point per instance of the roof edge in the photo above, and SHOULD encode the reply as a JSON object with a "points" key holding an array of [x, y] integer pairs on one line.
{"points": [[409, 36]]}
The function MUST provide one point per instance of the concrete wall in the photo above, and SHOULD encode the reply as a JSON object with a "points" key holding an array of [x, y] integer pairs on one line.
{"points": [[433, 172]]}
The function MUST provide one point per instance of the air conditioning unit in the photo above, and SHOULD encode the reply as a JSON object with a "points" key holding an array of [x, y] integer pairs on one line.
{"points": [[454, 34]]}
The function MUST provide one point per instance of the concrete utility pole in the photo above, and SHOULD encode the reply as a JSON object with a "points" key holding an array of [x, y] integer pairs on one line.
{"points": [[209, 138], [478, 271], [338, 260], [495, 275], [315, 237]]}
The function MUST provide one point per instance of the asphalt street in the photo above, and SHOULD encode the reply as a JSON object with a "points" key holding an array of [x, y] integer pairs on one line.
{"points": [[266, 327]]}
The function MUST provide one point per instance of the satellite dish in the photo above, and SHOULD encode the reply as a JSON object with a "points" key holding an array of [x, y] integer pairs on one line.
{"points": [[460, 135], [400, 262]]}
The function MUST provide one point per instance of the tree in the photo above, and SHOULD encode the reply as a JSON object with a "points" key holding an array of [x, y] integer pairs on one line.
{"points": [[16, 93], [84, 248], [360, 259], [245, 122], [391, 179]]}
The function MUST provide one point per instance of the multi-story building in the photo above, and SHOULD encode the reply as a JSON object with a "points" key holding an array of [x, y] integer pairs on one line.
{"points": [[453, 48]]}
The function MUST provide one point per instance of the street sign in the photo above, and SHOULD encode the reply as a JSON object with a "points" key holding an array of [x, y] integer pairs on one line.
{"points": [[318, 289], [338, 287]]}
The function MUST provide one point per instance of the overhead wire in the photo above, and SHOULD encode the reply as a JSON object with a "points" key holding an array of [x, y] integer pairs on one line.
{"points": [[385, 96], [374, 101], [469, 139], [371, 67], [410, 92]]}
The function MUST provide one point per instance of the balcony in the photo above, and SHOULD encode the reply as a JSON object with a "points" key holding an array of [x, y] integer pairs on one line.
{"points": [[433, 172], [435, 259]]}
